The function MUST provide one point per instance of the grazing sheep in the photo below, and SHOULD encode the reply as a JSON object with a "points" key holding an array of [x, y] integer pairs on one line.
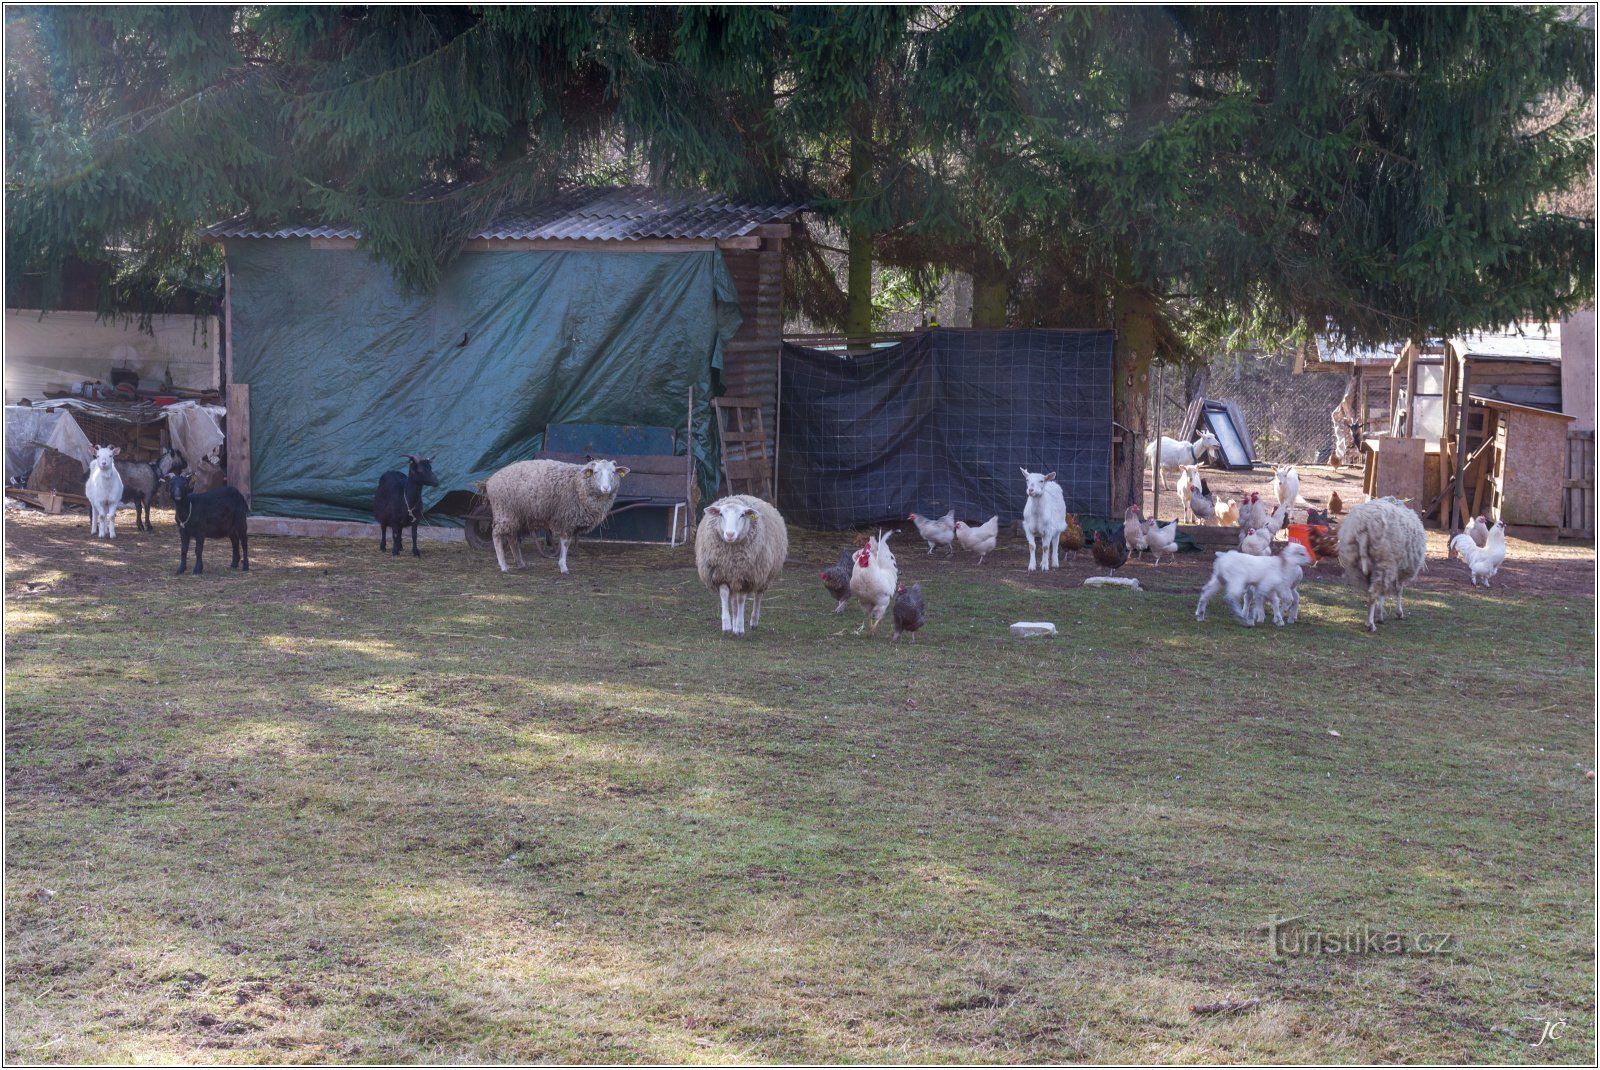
{"points": [[209, 515], [1044, 517], [739, 551], [103, 488], [398, 502], [566, 499], [1382, 547]]}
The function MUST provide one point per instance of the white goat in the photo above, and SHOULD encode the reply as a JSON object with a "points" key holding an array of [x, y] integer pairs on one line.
{"points": [[1044, 517], [103, 488], [1176, 452], [1248, 581]]}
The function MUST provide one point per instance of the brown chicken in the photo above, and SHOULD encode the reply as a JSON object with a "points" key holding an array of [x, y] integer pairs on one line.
{"points": [[1113, 555], [1335, 504], [1072, 535], [1324, 542]]}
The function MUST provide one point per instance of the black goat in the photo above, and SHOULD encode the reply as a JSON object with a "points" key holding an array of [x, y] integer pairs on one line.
{"points": [[209, 516], [398, 502]]}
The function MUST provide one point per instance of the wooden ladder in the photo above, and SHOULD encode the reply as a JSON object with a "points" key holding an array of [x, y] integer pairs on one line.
{"points": [[746, 450]]}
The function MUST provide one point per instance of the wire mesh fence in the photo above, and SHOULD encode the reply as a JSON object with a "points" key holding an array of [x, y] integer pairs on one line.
{"points": [[1288, 414]]}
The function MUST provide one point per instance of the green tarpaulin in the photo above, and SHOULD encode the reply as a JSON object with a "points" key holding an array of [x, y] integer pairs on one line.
{"points": [[347, 374]]}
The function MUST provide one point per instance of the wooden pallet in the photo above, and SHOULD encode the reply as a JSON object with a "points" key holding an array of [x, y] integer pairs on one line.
{"points": [[48, 500]]}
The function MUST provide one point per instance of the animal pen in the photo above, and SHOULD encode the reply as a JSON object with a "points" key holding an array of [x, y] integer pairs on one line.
{"points": [[617, 307]]}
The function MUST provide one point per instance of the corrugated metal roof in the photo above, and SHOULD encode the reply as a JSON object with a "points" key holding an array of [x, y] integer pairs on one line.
{"points": [[1329, 353], [623, 213], [1533, 345]]}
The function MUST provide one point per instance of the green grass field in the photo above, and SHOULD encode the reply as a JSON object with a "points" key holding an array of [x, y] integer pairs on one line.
{"points": [[349, 808]]}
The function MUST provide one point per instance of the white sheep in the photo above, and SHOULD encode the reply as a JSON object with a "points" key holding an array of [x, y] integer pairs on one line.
{"points": [[1176, 452], [565, 498], [1044, 517], [739, 551], [1382, 547], [1248, 581], [103, 488]]}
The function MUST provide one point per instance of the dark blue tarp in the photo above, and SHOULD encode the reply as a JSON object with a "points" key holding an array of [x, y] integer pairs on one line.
{"points": [[945, 420]]}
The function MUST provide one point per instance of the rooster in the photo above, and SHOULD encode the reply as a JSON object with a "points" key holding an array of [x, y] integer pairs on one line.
{"points": [[1252, 514], [979, 540], [1161, 540], [1484, 561], [1113, 555], [837, 578], [873, 580], [1133, 530], [908, 611], [936, 532], [1072, 535]]}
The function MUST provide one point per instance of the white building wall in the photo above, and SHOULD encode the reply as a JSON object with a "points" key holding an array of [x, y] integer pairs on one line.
{"points": [[61, 348]]}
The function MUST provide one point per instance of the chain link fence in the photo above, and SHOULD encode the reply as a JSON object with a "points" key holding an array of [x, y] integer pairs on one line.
{"points": [[1288, 414]]}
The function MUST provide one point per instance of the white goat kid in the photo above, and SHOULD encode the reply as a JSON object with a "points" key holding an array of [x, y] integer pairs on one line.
{"points": [[103, 488], [1044, 517], [1247, 580], [1175, 452]]}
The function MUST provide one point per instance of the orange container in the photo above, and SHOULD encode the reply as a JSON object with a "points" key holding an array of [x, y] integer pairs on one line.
{"points": [[1301, 533]]}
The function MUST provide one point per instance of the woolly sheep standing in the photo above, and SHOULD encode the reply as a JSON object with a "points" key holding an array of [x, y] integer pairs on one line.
{"points": [[1382, 547], [739, 551], [103, 488], [565, 498]]}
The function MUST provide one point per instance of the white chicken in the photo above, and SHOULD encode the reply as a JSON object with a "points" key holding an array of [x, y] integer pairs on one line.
{"points": [[1252, 541], [1161, 539], [979, 540], [1252, 514], [873, 580], [1133, 530], [1477, 530], [1483, 561], [939, 531]]}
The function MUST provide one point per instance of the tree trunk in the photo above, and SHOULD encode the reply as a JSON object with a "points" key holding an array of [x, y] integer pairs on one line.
{"points": [[1136, 314], [858, 277], [989, 291]]}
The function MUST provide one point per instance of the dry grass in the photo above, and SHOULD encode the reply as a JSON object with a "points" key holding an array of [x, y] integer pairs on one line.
{"points": [[355, 809]]}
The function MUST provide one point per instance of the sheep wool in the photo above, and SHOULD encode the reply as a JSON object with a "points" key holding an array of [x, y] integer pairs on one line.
{"points": [[739, 550], [1382, 547], [566, 499]]}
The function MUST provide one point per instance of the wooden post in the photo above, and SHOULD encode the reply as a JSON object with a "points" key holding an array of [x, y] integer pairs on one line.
{"points": [[1452, 517], [227, 320], [239, 438], [688, 490], [1155, 436]]}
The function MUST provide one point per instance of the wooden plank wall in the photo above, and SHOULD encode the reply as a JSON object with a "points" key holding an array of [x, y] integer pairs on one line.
{"points": [[750, 363], [1577, 521]]}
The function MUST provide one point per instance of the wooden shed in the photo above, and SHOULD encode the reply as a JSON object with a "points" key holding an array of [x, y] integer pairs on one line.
{"points": [[606, 306]]}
